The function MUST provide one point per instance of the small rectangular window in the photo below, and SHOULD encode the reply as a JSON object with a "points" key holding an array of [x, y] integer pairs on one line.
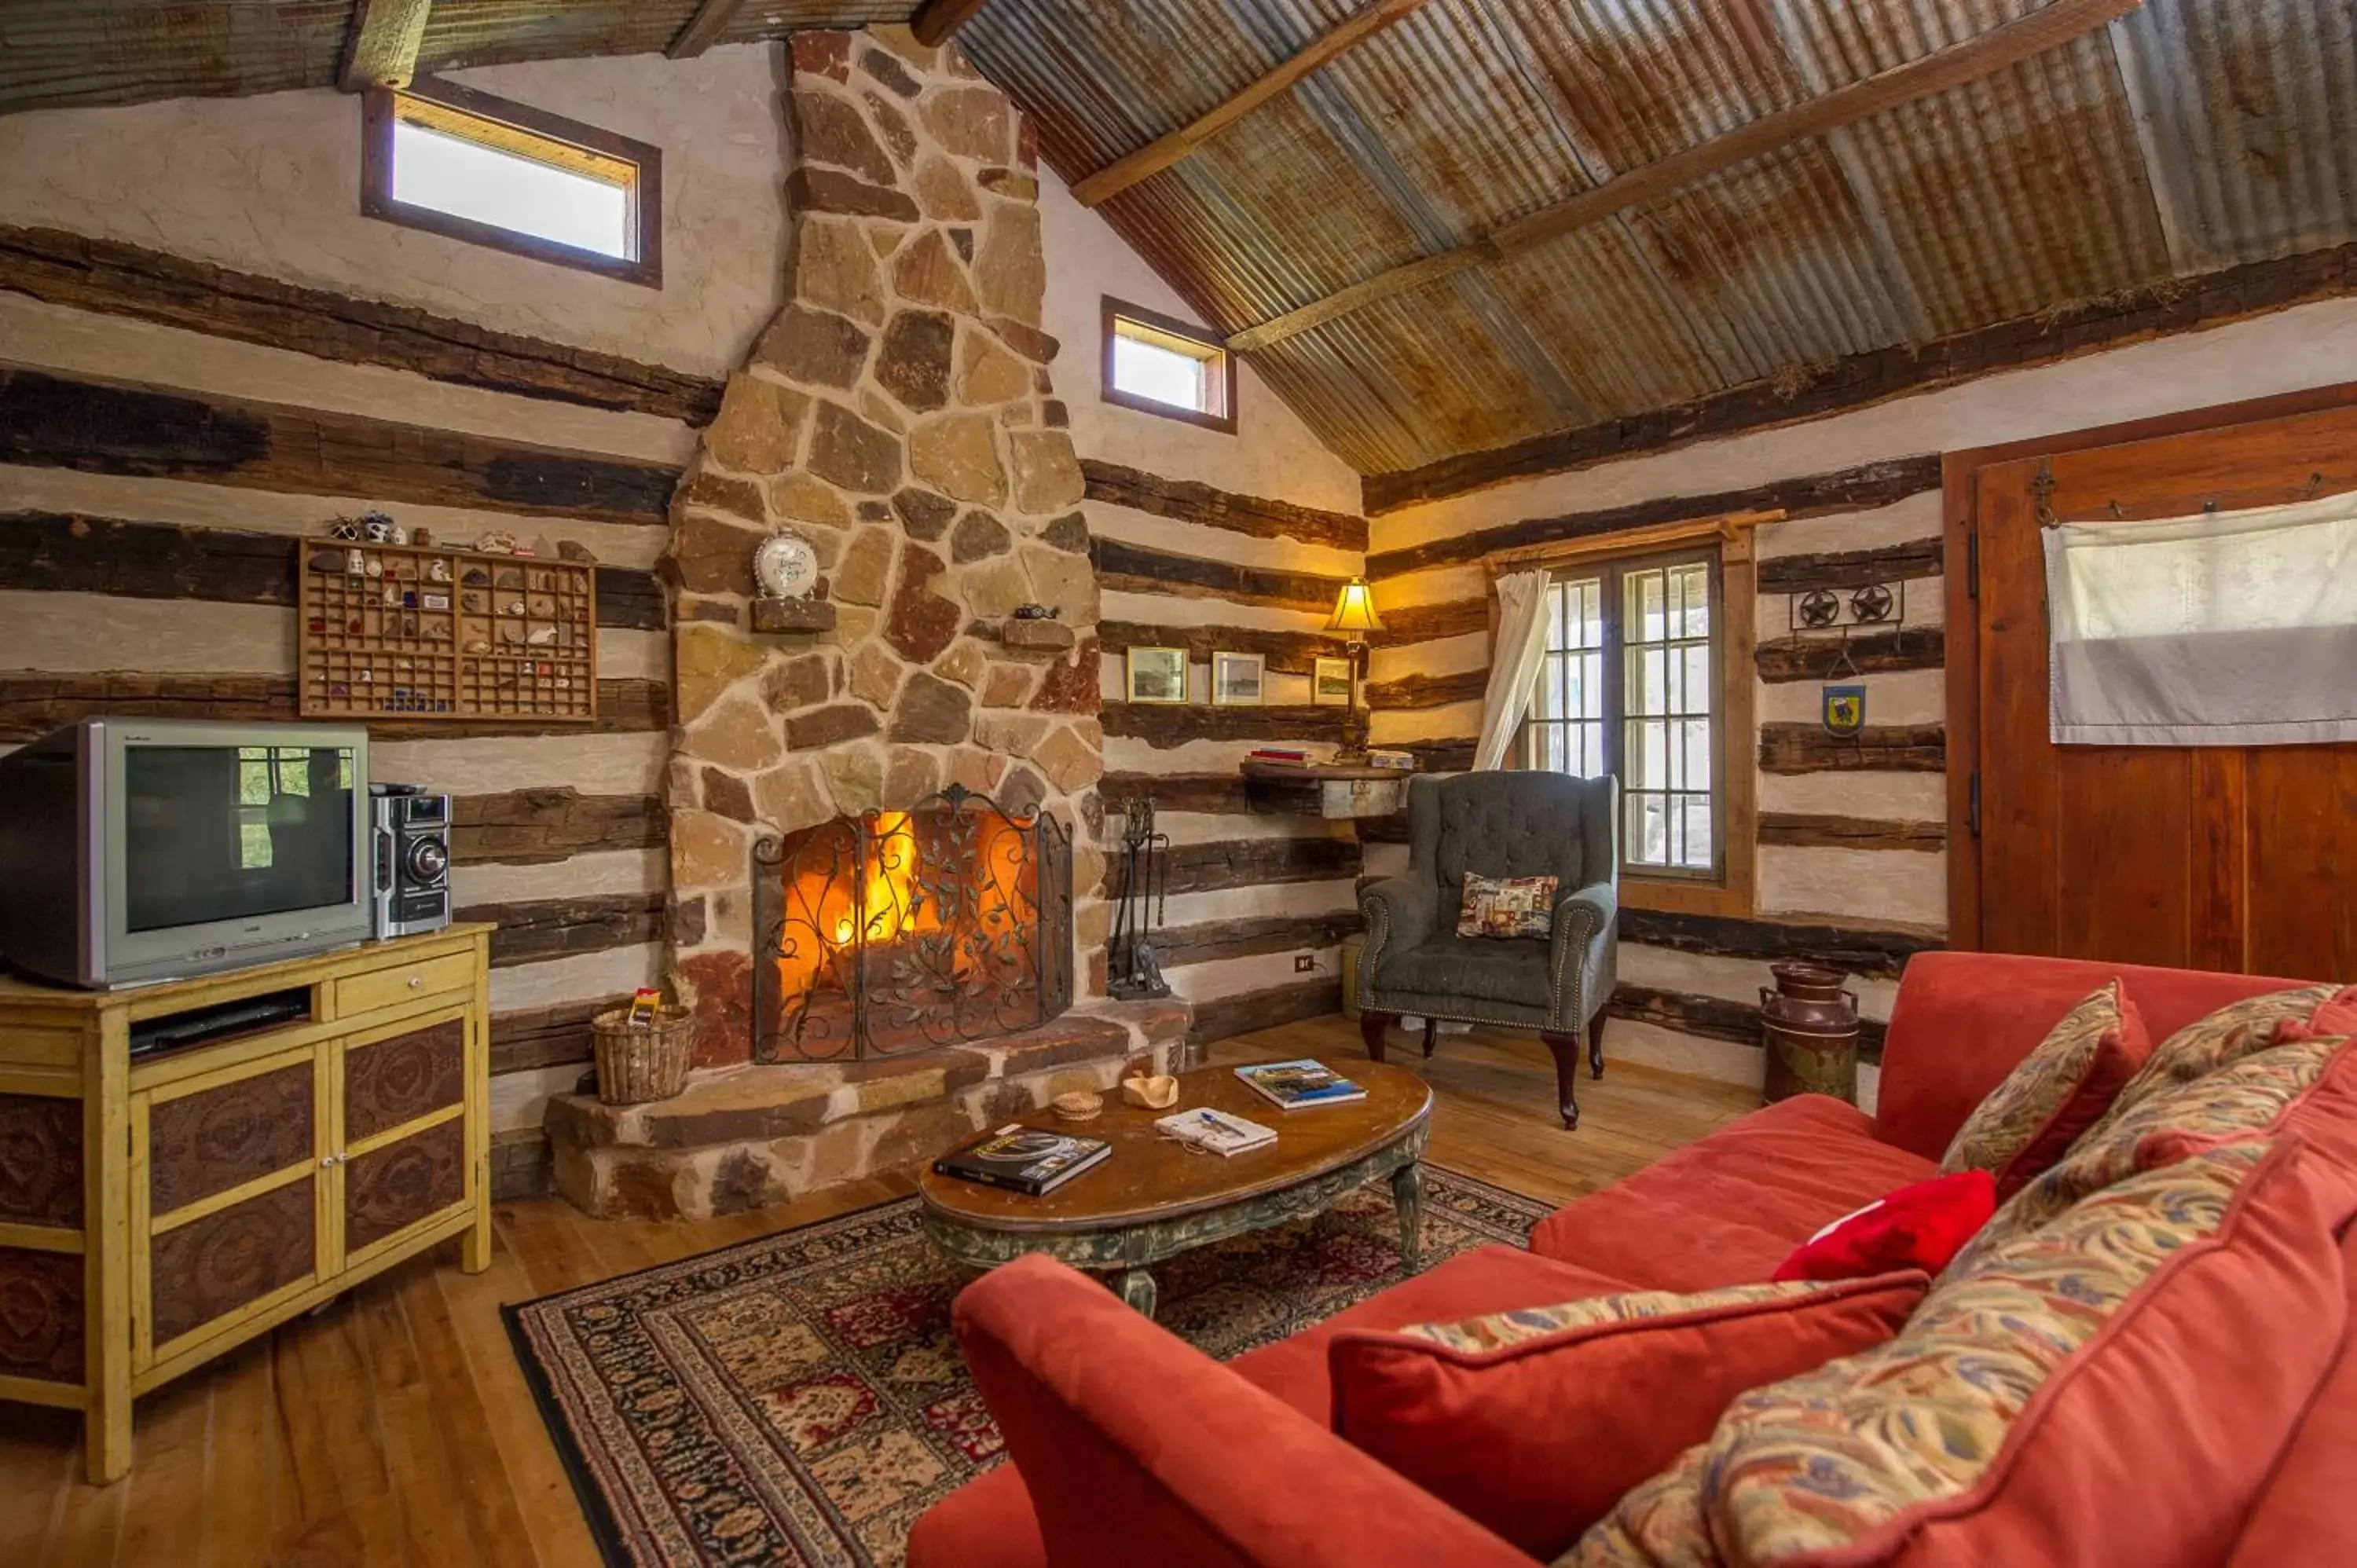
{"points": [[492, 172], [1158, 365], [1629, 685]]}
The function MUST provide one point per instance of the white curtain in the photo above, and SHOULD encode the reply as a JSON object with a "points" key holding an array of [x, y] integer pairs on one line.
{"points": [[2234, 629], [1514, 665]]}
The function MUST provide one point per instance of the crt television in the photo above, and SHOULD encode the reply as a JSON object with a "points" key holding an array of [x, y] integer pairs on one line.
{"points": [[135, 849]]}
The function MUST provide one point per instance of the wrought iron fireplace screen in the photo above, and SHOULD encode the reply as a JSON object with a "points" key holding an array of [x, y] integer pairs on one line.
{"points": [[898, 931]]}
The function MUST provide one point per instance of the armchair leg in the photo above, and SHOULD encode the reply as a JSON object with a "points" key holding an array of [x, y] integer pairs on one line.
{"points": [[1566, 1048], [1596, 1045], [1431, 1036], [1371, 1027]]}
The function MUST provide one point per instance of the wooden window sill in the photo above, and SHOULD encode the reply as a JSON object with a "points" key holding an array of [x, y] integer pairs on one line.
{"points": [[1675, 896]]}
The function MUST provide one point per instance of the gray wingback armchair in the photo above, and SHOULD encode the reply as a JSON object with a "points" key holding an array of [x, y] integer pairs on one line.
{"points": [[1499, 824]]}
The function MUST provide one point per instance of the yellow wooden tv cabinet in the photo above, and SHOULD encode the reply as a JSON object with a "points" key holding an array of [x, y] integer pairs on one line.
{"points": [[155, 1212]]}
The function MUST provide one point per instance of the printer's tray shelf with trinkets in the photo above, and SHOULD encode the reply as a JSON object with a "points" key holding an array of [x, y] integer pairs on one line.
{"points": [[422, 633]]}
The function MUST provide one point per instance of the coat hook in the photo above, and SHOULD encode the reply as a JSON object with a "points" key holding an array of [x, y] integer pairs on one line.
{"points": [[2117, 514], [2042, 489], [2315, 483]]}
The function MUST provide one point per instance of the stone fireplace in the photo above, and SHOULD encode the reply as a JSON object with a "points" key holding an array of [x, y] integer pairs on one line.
{"points": [[899, 414], [870, 987], [900, 932]]}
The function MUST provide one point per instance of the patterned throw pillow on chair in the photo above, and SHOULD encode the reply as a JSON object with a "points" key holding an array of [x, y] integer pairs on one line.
{"points": [[1507, 906], [2060, 1091]]}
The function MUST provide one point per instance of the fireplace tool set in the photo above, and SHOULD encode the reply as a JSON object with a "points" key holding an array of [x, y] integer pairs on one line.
{"points": [[1145, 900]]}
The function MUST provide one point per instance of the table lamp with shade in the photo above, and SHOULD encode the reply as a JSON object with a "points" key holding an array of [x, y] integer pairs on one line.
{"points": [[1354, 616]]}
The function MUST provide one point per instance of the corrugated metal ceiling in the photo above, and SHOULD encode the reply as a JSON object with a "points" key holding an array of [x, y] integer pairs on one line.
{"points": [[56, 53], [2192, 135]]}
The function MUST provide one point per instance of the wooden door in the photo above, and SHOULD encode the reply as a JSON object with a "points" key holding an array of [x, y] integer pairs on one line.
{"points": [[2236, 859], [224, 1200], [399, 1111]]}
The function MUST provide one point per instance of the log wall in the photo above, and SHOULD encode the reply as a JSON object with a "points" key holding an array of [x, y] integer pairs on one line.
{"points": [[1853, 838], [1212, 542], [184, 403]]}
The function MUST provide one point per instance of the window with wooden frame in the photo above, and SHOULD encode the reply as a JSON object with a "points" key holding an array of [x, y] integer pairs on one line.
{"points": [[1647, 674], [1630, 685], [1158, 364], [472, 167]]}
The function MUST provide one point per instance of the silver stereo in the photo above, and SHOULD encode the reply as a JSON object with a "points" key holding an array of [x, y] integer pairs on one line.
{"points": [[410, 861]]}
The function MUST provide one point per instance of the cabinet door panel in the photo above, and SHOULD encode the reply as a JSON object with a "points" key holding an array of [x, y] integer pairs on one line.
{"points": [[404, 1076], [40, 1161], [40, 1314], [398, 1184], [213, 1140], [211, 1266]]}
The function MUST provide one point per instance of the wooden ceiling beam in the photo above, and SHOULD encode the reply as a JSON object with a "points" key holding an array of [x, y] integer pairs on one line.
{"points": [[1986, 54], [1156, 155], [703, 29], [381, 50], [936, 19]]}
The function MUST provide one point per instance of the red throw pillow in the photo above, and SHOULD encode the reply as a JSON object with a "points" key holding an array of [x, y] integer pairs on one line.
{"points": [[1921, 1225], [1534, 1421]]}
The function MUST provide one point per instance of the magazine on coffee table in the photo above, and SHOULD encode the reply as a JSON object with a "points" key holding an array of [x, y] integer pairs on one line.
{"points": [[1296, 1084], [1023, 1159]]}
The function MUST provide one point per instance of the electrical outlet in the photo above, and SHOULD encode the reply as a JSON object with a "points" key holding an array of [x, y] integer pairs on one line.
{"points": [[1305, 964]]}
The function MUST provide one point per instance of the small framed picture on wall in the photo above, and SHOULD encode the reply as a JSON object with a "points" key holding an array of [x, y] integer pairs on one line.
{"points": [[1329, 683], [1158, 674], [1238, 680]]}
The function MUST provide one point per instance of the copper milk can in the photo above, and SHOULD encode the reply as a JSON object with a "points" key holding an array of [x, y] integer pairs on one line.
{"points": [[1810, 1025]]}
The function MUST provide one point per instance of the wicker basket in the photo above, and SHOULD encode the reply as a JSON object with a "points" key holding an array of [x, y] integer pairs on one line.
{"points": [[635, 1066]]}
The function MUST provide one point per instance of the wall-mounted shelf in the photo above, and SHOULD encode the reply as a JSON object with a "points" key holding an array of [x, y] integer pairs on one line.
{"points": [[397, 631], [1325, 788]]}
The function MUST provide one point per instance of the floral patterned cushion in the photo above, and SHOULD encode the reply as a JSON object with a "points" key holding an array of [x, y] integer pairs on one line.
{"points": [[1500, 1329], [2060, 1091], [2243, 1099], [1507, 906], [1823, 1461], [2207, 1044], [1659, 1523]]}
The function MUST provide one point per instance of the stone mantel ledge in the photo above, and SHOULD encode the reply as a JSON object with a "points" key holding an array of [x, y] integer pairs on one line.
{"points": [[742, 1137]]}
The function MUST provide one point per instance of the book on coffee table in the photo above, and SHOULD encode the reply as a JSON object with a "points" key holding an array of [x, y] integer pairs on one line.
{"points": [[1295, 1084], [1023, 1159], [1216, 1131]]}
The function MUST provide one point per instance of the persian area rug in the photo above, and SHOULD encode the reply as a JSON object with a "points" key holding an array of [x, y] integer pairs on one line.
{"points": [[799, 1400]]}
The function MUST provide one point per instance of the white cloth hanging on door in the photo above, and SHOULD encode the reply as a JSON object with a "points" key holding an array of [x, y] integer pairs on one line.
{"points": [[1514, 664], [2238, 628]]}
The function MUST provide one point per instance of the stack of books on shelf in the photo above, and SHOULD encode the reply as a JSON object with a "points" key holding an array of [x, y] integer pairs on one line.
{"points": [[1279, 754], [1303, 1082], [1216, 1131]]}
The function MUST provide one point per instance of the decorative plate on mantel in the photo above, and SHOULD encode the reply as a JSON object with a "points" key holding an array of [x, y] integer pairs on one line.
{"points": [[785, 565]]}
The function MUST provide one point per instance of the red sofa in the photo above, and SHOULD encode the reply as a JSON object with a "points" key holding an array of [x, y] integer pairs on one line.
{"points": [[1131, 1447]]}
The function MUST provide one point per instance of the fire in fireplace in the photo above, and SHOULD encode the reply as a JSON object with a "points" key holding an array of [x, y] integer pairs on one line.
{"points": [[899, 931]]}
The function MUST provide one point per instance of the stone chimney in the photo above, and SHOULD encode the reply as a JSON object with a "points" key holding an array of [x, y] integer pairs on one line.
{"points": [[899, 414]]}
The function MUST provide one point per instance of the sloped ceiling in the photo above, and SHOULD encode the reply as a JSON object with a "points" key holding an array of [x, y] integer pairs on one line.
{"points": [[2192, 135]]}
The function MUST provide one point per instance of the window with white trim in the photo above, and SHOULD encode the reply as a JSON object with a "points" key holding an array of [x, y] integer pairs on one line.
{"points": [[1630, 685]]}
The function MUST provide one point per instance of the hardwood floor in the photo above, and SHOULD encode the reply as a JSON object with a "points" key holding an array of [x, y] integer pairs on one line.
{"points": [[394, 1426]]}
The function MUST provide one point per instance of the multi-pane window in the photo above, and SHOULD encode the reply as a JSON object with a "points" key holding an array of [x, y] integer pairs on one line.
{"points": [[1629, 685]]}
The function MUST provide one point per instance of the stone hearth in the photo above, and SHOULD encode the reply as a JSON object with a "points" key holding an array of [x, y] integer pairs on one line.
{"points": [[746, 1137]]}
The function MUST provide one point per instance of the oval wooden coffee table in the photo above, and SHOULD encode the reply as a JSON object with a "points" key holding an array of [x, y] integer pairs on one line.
{"points": [[1153, 1198]]}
